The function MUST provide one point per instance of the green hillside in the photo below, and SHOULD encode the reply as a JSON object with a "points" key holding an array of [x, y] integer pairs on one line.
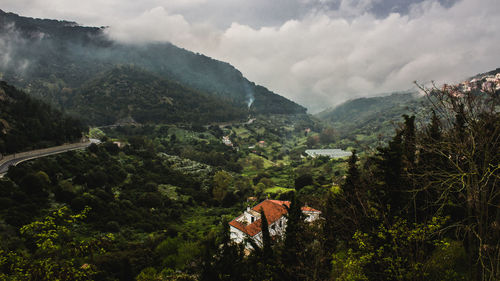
{"points": [[365, 121], [49, 57], [126, 92], [26, 123]]}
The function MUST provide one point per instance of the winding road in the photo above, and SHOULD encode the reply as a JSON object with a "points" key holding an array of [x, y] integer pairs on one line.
{"points": [[16, 158]]}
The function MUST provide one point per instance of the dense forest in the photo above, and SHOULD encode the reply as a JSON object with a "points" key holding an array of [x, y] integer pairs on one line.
{"points": [[424, 207], [27, 123], [152, 202], [129, 92]]}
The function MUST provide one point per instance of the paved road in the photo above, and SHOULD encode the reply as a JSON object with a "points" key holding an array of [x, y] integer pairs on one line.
{"points": [[14, 159]]}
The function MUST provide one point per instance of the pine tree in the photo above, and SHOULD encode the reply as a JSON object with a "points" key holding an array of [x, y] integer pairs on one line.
{"points": [[460, 122], [389, 176], [409, 139], [429, 165], [352, 177], [223, 262], [434, 129], [267, 251], [294, 245], [330, 230]]}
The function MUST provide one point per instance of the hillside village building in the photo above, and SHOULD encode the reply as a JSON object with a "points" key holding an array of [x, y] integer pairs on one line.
{"points": [[249, 223], [332, 153]]}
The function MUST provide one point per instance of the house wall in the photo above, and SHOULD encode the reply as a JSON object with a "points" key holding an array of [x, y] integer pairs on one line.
{"points": [[247, 216], [277, 228], [236, 235], [311, 216]]}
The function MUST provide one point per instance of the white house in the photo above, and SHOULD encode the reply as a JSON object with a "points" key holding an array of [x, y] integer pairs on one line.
{"points": [[226, 141], [249, 223]]}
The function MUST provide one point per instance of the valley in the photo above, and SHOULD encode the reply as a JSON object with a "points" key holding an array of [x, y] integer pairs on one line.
{"points": [[404, 186]]}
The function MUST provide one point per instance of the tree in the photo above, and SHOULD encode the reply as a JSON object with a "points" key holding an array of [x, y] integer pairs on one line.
{"points": [[327, 136], [267, 251], [292, 256], [303, 180], [409, 144], [58, 253], [329, 229], [468, 180], [390, 193], [221, 182], [352, 180], [312, 141]]}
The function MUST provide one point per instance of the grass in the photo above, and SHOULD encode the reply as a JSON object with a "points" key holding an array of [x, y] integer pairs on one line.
{"points": [[277, 189]]}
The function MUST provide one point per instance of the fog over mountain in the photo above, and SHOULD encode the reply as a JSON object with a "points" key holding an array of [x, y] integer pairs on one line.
{"points": [[318, 53]]}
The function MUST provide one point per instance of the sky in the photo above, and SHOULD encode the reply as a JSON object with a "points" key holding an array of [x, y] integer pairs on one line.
{"points": [[318, 53]]}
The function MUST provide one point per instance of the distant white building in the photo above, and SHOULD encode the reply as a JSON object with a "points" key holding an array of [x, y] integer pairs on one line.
{"points": [[226, 141], [249, 223], [332, 153]]}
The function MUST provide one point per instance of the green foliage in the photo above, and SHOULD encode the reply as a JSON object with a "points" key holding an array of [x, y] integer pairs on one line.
{"points": [[27, 123], [128, 94], [58, 254], [350, 266], [365, 122], [176, 253], [396, 252], [222, 182]]}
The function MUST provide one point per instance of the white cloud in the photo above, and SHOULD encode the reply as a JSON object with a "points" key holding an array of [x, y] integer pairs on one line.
{"points": [[316, 52], [322, 60]]}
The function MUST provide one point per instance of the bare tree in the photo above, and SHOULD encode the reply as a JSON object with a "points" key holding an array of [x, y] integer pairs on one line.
{"points": [[464, 166]]}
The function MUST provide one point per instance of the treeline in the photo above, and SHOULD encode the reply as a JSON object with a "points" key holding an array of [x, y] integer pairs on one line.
{"points": [[424, 207], [27, 123]]}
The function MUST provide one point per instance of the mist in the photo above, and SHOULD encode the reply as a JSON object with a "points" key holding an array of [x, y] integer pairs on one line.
{"points": [[317, 53]]}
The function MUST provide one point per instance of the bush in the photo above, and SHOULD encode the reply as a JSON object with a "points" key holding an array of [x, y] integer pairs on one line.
{"points": [[113, 226]]}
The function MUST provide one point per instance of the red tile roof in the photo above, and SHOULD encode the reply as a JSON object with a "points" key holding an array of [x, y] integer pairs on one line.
{"points": [[309, 209], [274, 210]]}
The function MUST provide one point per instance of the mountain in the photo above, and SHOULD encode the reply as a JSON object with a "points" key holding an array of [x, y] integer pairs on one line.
{"points": [[366, 120], [481, 75], [48, 57], [27, 123], [128, 92]]}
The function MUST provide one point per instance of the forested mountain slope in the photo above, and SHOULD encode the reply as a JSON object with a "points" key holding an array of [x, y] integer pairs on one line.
{"points": [[126, 92], [367, 120], [48, 57], [26, 123]]}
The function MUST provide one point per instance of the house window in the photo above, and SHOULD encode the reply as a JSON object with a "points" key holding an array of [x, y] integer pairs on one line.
{"points": [[280, 223], [252, 219]]}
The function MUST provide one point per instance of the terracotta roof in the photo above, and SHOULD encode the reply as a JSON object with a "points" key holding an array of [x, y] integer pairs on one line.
{"points": [[309, 209], [274, 210]]}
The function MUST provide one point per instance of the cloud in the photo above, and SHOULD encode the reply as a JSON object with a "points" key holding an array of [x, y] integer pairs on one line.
{"points": [[10, 41], [322, 60], [316, 52]]}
